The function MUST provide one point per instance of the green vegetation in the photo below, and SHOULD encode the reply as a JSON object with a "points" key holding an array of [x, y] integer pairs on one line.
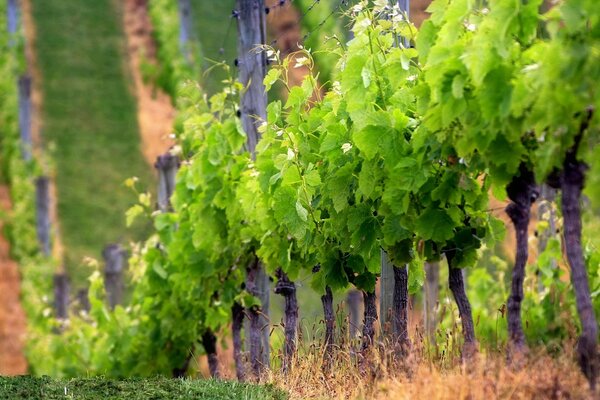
{"points": [[44, 388], [89, 118], [400, 155], [324, 28]]}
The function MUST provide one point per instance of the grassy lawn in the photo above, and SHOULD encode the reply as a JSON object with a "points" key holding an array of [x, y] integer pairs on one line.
{"points": [[132, 389], [89, 117]]}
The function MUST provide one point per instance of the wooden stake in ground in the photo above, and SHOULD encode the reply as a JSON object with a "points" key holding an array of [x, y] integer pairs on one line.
{"points": [[386, 293], [329, 318], [61, 296], [12, 15], [186, 30], [354, 300], [167, 166], [431, 289], [25, 116], [42, 208], [250, 16], [113, 274]]}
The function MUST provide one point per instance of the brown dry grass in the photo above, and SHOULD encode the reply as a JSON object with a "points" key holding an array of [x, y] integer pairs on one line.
{"points": [[488, 377]]}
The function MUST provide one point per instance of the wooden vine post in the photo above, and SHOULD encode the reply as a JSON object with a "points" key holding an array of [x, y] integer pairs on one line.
{"points": [[250, 15], [329, 319], [353, 300], [393, 304], [166, 165], [61, 296], [25, 116], [43, 228], [186, 29], [386, 293], [114, 261], [12, 16], [42, 207], [431, 289]]}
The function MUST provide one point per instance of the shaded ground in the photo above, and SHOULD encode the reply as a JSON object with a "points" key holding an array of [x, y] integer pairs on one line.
{"points": [[132, 389], [12, 317]]}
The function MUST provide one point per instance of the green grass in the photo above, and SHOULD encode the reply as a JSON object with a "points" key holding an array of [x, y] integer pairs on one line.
{"points": [[30, 388], [89, 116]]}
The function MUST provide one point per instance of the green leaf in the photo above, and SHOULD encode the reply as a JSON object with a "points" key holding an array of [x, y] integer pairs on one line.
{"points": [[448, 190], [368, 140], [312, 178], [458, 86], [402, 252], [366, 76], [302, 212], [368, 178], [160, 271], [366, 281], [416, 275], [296, 98], [286, 211], [410, 176], [271, 77], [338, 189], [435, 224], [133, 213]]}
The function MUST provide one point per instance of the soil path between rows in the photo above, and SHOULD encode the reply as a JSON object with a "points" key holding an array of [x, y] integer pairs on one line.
{"points": [[155, 113], [12, 317]]}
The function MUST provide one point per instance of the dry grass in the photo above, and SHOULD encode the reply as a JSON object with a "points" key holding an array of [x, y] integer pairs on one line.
{"points": [[487, 377]]}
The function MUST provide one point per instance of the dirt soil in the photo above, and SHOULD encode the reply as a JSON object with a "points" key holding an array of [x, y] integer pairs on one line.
{"points": [[12, 317], [155, 111]]}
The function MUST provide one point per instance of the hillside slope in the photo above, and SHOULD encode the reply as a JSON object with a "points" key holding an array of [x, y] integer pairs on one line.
{"points": [[88, 122]]}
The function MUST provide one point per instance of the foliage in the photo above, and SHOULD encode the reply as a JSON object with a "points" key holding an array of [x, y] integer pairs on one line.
{"points": [[507, 85], [325, 30], [399, 155], [501, 91]]}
